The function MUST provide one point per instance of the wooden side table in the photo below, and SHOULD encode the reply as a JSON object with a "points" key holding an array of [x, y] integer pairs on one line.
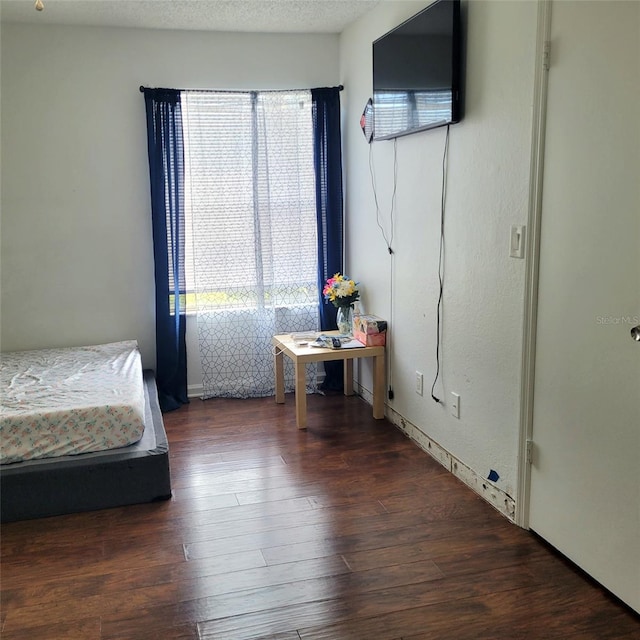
{"points": [[301, 354]]}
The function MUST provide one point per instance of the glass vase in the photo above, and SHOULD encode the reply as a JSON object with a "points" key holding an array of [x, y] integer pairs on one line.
{"points": [[344, 320]]}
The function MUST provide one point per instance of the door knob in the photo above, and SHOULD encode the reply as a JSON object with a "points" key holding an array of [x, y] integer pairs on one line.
{"points": [[635, 333]]}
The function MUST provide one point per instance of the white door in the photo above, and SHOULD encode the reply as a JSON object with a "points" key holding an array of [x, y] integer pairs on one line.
{"points": [[585, 478]]}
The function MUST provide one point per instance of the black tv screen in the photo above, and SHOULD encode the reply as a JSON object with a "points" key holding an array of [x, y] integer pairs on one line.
{"points": [[416, 73]]}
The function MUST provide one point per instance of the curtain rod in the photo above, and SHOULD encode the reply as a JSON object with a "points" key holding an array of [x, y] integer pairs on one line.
{"points": [[339, 87]]}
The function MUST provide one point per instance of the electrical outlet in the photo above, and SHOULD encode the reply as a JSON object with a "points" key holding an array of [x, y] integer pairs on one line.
{"points": [[455, 405], [419, 383]]}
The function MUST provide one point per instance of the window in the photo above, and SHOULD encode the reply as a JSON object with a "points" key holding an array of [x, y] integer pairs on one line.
{"points": [[250, 200], [234, 194]]}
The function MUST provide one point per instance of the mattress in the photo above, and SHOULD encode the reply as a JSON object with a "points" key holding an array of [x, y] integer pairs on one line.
{"points": [[134, 474], [70, 401]]}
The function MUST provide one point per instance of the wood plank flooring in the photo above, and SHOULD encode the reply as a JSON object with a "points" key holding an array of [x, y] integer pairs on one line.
{"points": [[344, 531]]}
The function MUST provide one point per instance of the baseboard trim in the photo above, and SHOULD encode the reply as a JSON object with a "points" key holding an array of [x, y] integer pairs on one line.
{"points": [[495, 496], [194, 391]]}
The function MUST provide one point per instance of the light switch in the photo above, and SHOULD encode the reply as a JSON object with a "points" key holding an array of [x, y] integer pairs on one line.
{"points": [[516, 245]]}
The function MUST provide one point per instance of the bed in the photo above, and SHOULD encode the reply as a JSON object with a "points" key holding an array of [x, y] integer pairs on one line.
{"points": [[84, 453]]}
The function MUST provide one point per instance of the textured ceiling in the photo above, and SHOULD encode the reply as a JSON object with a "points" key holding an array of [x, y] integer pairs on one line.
{"points": [[271, 16]]}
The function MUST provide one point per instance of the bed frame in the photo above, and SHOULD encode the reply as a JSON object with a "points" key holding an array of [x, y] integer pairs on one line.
{"points": [[130, 475]]}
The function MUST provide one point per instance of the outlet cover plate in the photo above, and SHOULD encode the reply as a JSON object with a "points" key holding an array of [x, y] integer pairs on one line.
{"points": [[455, 405], [419, 383]]}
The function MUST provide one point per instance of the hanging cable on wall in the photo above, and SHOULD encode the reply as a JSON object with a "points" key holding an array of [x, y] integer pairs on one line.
{"points": [[388, 239], [445, 156]]}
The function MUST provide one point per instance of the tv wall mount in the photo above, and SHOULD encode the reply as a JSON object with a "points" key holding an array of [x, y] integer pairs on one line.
{"points": [[366, 121]]}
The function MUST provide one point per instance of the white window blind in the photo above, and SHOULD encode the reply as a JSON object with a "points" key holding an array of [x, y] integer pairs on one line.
{"points": [[250, 200]]}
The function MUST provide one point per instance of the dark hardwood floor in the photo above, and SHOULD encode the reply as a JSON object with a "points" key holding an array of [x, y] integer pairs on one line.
{"points": [[344, 531]]}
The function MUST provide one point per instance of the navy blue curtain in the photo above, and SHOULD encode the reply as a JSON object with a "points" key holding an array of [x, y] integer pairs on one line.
{"points": [[328, 168], [166, 172]]}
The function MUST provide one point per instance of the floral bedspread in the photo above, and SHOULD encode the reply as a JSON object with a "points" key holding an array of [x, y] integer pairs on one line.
{"points": [[58, 402]]}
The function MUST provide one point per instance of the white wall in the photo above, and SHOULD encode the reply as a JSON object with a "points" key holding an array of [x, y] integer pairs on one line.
{"points": [[76, 255], [488, 177]]}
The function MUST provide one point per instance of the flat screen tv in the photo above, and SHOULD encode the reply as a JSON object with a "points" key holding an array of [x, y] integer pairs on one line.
{"points": [[417, 73]]}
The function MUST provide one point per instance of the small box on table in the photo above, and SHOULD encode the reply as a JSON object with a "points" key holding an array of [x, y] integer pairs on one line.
{"points": [[370, 330]]}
